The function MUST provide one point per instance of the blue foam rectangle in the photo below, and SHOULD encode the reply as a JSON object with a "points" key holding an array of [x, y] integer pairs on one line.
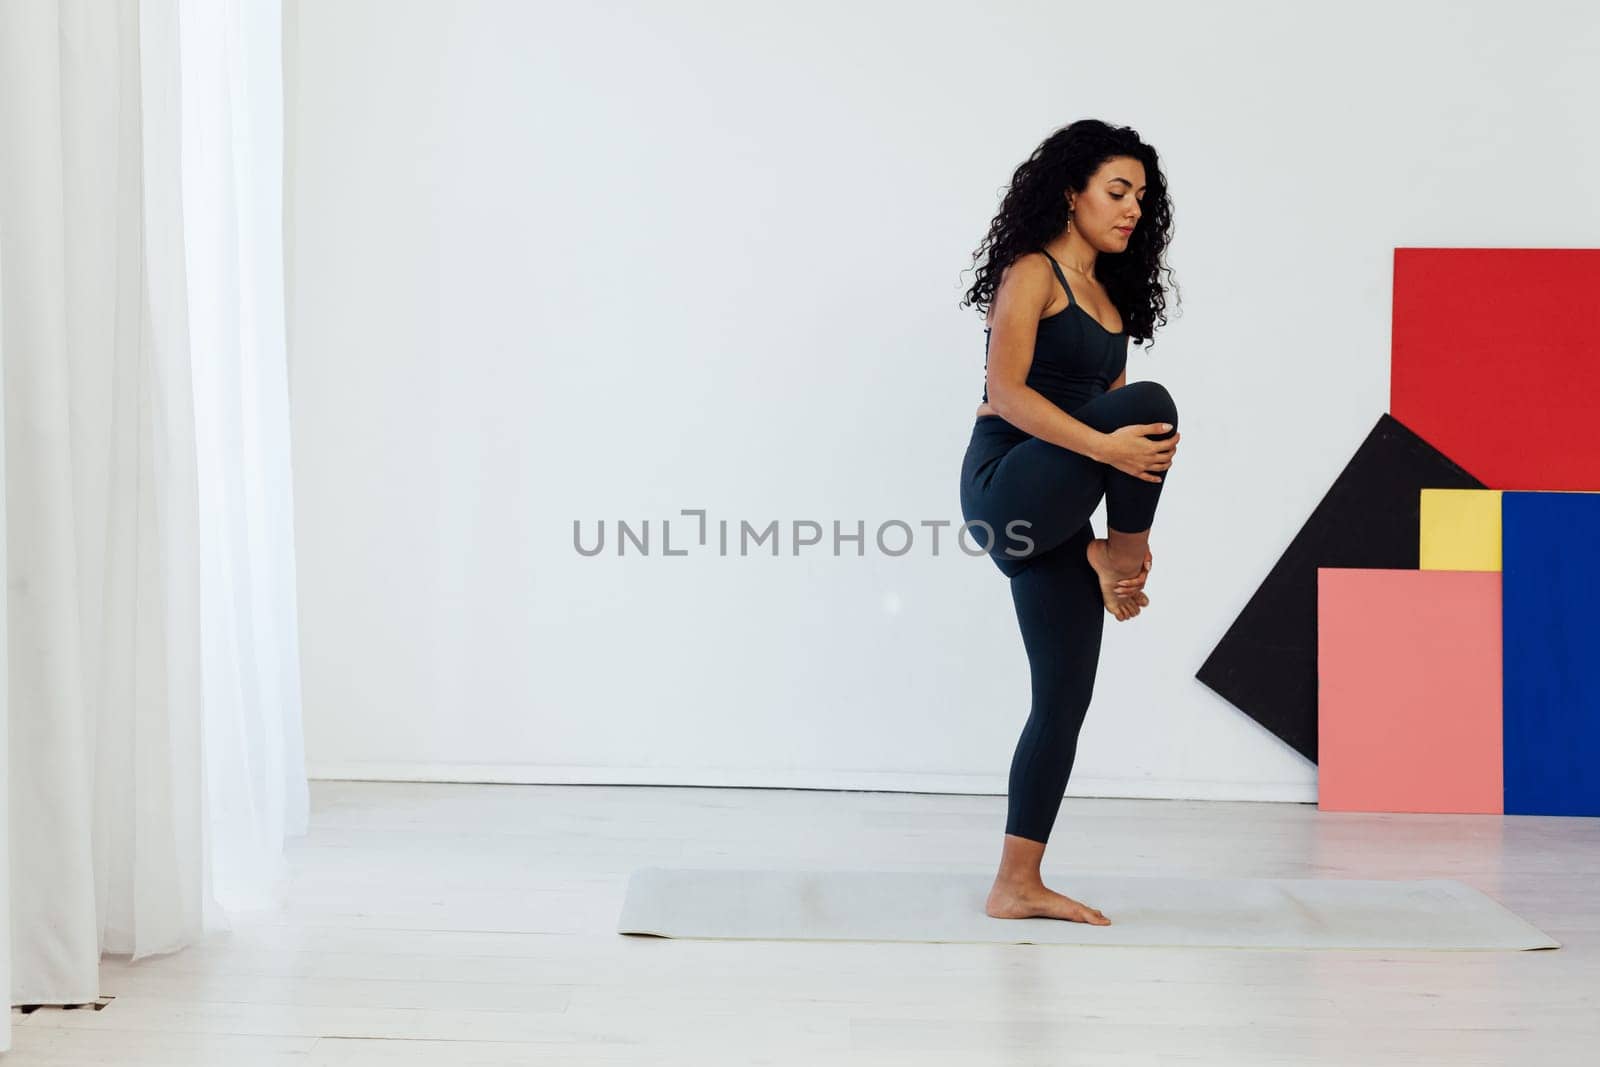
{"points": [[1551, 559]]}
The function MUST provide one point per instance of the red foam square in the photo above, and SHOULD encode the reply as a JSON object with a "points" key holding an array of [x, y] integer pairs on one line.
{"points": [[1495, 360]]}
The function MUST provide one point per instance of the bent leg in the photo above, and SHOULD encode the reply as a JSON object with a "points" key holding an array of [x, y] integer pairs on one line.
{"points": [[1059, 611], [1130, 501], [1040, 494]]}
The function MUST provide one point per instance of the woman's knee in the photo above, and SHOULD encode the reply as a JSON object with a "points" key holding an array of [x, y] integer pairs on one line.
{"points": [[1153, 403]]}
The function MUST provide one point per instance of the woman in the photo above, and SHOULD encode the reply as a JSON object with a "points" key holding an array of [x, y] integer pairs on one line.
{"points": [[1070, 275]]}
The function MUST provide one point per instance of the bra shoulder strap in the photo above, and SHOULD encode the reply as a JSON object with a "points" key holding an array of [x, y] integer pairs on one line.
{"points": [[1062, 278]]}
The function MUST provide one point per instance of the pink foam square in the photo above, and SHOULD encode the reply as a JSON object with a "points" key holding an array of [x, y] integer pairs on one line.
{"points": [[1409, 691]]}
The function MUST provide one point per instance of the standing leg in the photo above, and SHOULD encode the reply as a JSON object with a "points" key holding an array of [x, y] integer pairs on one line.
{"points": [[1057, 597], [1059, 614]]}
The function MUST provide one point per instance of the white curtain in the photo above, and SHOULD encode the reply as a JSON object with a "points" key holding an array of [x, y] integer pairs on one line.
{"points": [[151, 697]]}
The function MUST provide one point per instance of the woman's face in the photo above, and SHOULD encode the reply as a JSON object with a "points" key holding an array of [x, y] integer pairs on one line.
{"points": [[1107, 211]]}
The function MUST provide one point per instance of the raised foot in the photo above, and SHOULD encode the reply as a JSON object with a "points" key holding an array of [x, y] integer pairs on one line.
{"points": [[1098, 552], [1009, 902]]}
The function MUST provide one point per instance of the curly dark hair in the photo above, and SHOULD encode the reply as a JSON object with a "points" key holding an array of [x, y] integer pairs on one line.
{"points": [[1034, 212]]}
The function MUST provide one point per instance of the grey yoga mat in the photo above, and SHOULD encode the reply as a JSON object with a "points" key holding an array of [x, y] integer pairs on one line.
{"points": [[868, 905]]}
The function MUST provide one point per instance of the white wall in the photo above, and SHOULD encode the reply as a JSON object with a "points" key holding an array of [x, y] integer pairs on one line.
{"points": [[558, 261]]}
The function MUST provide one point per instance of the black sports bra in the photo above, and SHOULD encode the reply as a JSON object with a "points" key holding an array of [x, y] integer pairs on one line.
{"points": [[1075, 359]]}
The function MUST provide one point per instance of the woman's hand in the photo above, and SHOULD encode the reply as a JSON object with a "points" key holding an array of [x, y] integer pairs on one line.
{"points": [[1130, 586], [1129, 450]]}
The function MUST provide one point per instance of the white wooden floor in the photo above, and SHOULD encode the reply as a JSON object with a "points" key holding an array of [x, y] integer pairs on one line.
{"points": [[463, 925]]}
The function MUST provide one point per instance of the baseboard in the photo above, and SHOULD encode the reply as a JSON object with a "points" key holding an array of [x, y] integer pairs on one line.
{"points": [[761, 778]]}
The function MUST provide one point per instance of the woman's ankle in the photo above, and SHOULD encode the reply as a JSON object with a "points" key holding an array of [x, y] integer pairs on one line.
{"points": [[1131, 563], [1126, 551]]}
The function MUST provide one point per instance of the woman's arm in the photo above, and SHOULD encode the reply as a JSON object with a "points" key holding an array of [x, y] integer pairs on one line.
{"points": [[1021, 297], [1122, 379]]}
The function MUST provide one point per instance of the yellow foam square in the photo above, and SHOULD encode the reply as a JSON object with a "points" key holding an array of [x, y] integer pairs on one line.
{"points": [[1460, 530]]}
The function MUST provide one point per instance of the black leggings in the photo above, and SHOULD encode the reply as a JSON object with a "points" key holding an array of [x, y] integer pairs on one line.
{"points": [[1009, 475]]}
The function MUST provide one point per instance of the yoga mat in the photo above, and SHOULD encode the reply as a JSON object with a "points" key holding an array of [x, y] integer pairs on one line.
{"points": [[947, 906]]}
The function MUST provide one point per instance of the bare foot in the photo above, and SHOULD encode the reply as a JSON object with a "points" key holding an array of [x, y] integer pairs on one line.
{"points": [[1099, 554], [1019, 902]]}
